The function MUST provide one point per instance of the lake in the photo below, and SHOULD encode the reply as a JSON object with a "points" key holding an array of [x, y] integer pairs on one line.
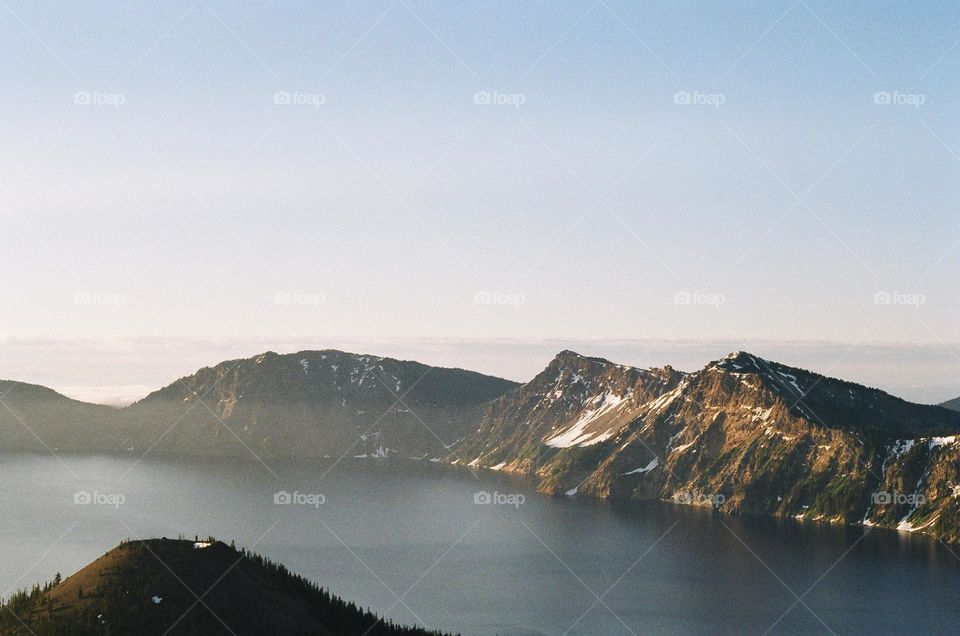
{"points": [[409, 539]]}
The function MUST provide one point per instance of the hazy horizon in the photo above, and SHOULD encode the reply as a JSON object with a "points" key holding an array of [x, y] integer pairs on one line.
{"points": [[118, 371]]}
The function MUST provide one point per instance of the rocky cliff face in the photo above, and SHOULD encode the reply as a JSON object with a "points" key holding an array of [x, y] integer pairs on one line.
{"points": [[920, 487], [575, 402], [742, 434], [312, 404]]}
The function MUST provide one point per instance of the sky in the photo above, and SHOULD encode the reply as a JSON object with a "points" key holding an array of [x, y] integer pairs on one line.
{"points": [[479, 185]]}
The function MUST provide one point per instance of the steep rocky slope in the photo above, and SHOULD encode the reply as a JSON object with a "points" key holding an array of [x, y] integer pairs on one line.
{"points": [[575, 401], [742, 434], [313, 403]]}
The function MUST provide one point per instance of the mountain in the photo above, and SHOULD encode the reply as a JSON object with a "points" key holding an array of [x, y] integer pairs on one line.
{"points": [[152, 587], [35, 418], [312, 404], [575, 402], [743, 434], [953, 405], [305, 404]]}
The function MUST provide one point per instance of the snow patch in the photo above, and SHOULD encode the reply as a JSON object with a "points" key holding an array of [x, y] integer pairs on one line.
{"points": [[646, 469], [901, 446], [665, 400], [941, 441], [577, 434], [792, 379]]}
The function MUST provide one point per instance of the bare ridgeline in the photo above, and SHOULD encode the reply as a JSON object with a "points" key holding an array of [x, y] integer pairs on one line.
{"points": [[742, 435]]}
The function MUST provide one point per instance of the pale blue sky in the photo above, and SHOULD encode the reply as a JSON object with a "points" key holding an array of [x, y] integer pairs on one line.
{"points": [[585, 213]]}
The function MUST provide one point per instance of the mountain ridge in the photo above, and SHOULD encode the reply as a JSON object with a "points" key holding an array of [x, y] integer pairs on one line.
{"points": [[309, 403], [314, 403], [742, 435], [753, 435]]}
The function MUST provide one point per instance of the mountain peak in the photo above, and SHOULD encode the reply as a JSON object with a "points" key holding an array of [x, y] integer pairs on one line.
{"points": [[567, 356], [740, 361]]}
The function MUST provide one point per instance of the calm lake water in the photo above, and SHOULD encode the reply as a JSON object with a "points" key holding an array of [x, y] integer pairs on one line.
{"points": [[407, 539]]}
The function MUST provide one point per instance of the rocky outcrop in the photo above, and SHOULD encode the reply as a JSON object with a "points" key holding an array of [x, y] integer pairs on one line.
{"points": [[742, 434]]}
